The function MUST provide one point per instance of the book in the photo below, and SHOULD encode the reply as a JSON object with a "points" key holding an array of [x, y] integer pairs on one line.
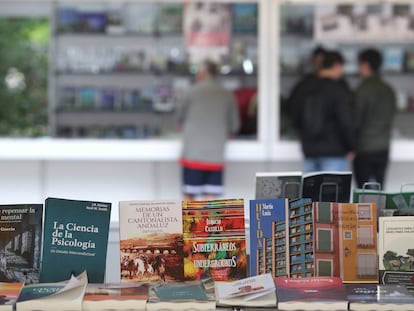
{"points": [[9, 292], [151, 241], [244, 16], [314, 293], [255, 291], [21, 242], [75, 239], [115, 296], [396, 256], [194, 295], [63, 296], [170, 18], [274, 185], [214, 240], [345, 241], [362, 297], [327, 186], [267, 224]]}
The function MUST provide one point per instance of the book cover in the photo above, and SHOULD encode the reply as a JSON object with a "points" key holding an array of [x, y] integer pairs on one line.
{"points": [[65, 296], [247, 288], [88, 97], [21, 242], [9, 292], [195, 295], [314, 293], [214, 240], [345, 241], [396, 256], [327, 186], [363, 297], [181, 292], [267, 224], [244, 17], [274, 185], [151, 241], [141, 18], [170, 18], [295, 253], [116, 296], [393, 60], [75, 239]]}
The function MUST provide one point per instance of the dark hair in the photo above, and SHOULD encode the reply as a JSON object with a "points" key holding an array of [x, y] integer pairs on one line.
{"points": [[332, 58], [319, 50], [211, 67], [372, 57]]}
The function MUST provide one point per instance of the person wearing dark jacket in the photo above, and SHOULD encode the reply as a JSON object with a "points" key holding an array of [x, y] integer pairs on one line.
{"points": [[321, 112], [374, 110]]}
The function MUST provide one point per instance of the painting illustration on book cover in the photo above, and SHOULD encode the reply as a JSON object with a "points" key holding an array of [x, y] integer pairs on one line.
{"points": [[20, 243], [151, 241]]}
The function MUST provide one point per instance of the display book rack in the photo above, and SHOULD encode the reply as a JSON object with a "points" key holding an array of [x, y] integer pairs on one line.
{"points": [[118, 71]]}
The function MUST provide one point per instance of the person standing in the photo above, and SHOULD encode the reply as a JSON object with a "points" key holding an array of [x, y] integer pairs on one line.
{"points": [[374, 111], [322, 114], [208, 116]]}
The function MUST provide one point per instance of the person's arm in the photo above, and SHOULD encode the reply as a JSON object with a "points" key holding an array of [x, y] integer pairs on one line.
{"points": [[182, 110], [345, 121], [359, 109]]}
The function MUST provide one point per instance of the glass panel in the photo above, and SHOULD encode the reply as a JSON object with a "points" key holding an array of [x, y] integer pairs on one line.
{"points": [[122, 69]]}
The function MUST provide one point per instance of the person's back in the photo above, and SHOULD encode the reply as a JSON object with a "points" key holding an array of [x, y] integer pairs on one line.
{"points": [[321, 112], [374, 111], [209, 121], [208, 116]]}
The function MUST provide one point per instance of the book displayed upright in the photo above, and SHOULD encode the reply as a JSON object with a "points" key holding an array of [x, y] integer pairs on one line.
{"points": [[395, 253], [327, 186], [267, 224], [214, 240], [75, 239], [9, 292], [345, 241], [21, 242], [151, 241], [278, 185]]}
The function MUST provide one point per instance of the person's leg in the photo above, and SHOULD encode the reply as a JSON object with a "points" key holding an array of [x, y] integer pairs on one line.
{"points": [[192, 183], [380, 166], [311, 165], [333, 164], [363, 171], [213, 186]]}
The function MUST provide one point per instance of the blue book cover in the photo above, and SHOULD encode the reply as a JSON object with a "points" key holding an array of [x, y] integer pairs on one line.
{"points": [[245, 18], [267, 216]]}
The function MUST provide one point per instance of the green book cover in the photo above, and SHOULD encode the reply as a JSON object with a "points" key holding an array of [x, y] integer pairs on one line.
{"points": [[75, 239]]}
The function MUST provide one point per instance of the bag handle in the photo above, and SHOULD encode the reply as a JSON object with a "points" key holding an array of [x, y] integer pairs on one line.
{"points": [[327, 184], [371, 184], [405, 185]]}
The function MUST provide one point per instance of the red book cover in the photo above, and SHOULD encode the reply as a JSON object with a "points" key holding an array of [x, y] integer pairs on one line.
{"points": [[313, 293], [214, 240]]}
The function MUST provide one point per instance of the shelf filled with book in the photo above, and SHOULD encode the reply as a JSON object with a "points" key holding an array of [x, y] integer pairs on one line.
{"points": [[136, 55]]}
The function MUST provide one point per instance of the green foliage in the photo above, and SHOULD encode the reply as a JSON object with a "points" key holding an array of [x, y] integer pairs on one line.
{"points": [[24, 46]]}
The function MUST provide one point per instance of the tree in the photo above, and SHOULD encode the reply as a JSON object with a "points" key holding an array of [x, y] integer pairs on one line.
{"points": [[390, 255], [23, 76]]}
